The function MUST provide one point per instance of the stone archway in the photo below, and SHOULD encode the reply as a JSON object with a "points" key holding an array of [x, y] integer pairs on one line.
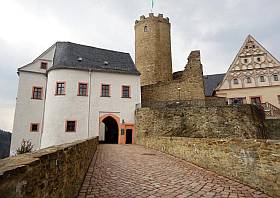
{"points": [[111, 130]]}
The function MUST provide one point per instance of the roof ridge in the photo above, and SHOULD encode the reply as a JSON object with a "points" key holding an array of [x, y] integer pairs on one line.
{"points": [[214, 74], [91, 47]]}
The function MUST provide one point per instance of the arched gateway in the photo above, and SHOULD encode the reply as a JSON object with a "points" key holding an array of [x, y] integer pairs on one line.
{"points": [[109, 130]]}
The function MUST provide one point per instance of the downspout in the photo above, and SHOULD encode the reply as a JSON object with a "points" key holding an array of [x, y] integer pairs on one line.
{"points": [[43, 117], [89, 99]]}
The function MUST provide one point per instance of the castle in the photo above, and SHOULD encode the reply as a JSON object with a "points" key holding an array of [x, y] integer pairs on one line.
{"points": [[72, 92], [153, 60]]}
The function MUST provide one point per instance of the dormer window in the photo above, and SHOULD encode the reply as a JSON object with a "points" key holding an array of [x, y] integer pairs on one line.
{"points": [[146, 29], [44, 65], [262, 79], [235, 81]]}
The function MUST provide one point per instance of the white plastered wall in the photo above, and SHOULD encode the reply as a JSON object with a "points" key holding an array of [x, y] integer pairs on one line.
{"points": [[59, 109], [28, 110]]}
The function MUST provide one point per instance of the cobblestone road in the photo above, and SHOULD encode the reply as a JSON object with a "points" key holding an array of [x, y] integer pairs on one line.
{"points": [[133, 171]]}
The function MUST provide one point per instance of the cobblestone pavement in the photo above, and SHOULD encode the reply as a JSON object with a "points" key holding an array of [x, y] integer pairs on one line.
{"points": [[133, 171]]}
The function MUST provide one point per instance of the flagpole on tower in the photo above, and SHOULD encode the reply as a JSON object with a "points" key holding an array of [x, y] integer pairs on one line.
{"points": [[152, 5]]}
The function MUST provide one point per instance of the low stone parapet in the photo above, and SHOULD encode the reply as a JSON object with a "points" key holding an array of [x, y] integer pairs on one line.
{"points": [[252, 162], [56, 171]]}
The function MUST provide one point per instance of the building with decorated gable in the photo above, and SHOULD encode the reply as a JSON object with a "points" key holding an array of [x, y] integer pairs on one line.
{"points": [[252, 78]]}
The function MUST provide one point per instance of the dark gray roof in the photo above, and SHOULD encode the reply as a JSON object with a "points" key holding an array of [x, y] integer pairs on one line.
{"points": [[211, 82], [67, 55]]}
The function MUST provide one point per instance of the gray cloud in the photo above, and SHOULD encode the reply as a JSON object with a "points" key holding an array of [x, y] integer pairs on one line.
{"points": [[216, 27]]}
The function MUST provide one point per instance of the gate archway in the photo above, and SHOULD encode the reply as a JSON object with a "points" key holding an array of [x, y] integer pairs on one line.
{"points": [[111, 130]]}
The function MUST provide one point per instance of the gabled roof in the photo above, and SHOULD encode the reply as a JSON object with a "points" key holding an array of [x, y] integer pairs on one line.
{"points": [[211, 82], [249, 41], [76, 56]]}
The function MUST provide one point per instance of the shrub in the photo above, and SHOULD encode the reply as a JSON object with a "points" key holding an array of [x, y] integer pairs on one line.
{"points": [[25, 147]]}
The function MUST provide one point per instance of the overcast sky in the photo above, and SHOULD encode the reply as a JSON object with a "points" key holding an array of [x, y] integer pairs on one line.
{"points": [[216, 27]]}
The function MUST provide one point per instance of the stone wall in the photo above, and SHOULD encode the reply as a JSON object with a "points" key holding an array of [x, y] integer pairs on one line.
{"points": [[188, 86], [52, 172], [244, 121], [273, 128], [252, 162]]}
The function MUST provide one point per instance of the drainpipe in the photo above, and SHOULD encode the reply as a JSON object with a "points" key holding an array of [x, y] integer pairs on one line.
{"points": [[89, 98], [43, 116]]}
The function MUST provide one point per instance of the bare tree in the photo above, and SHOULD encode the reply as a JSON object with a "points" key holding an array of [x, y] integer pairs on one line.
{"points": [[25, 147]]}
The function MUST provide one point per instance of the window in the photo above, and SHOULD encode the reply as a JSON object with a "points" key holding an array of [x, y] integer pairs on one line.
{"points": [[259, 59], [44, 65], [145, 29], [262, 79], [34, 127], [278, 99], [83, 89], [246, 46], [275, 77], [126, 91], [245, 60], [60, 88], [37, 93], [237, 101], [255, 100], [70, 126], [249, 80], [253, 46], [105, 90], [235, 81]]}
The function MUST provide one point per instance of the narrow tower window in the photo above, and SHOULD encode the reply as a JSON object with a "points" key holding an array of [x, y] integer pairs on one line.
{"points": [[145, 29]]}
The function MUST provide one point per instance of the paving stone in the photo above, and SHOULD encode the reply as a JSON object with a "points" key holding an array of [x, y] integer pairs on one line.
{"points": [[127, 171]]}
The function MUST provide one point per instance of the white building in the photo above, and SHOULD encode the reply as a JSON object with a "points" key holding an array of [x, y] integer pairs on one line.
{"points": [[73, 92]]}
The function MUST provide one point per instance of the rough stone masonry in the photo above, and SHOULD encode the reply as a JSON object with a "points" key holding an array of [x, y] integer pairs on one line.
{"points": [[200, 122], [56, 171]]}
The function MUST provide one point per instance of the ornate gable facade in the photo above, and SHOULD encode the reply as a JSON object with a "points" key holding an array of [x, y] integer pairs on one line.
{"points": [[254, 73], [253, 66]]}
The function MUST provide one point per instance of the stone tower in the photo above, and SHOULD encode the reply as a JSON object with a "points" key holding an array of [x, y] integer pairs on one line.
{"points": [[153, 49]]}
